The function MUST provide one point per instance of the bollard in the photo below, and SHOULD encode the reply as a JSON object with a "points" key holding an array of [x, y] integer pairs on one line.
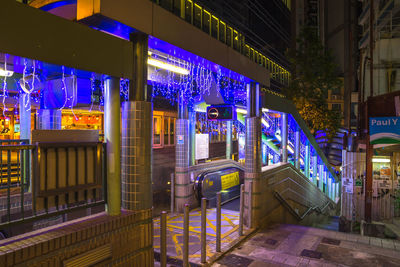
{"points": [[218, 241], [163, 239], [186, 236], [250, 207], [172, 192], [241, 210], [203, 229]]}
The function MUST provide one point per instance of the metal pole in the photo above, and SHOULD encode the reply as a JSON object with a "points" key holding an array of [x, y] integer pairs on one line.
{"points": [[163, 245], [218, 241], [186, 236], [112, 136], [229, 140], [250, 203], [203, 230], [172, 192], [241, 210]]}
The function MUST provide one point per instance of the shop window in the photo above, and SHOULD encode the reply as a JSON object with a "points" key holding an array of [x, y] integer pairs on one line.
{"points": [[166, 131], [172, 131], [214, 27], [222, 31], [197, 16], [157, 131], [206, 21], [229, 36], [337, 107], [188, 11]]}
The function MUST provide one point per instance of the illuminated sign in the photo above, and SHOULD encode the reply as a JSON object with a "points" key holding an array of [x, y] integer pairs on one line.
{"points": [[221, 113], [384, 130]]}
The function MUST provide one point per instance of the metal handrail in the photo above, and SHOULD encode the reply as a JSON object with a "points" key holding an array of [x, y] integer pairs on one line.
{"points": [[293, 211], [27, 212]]}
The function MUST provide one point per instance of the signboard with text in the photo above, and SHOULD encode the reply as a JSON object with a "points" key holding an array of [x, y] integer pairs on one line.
{"points": [[221, 113], [384, 130], [202, 146]]}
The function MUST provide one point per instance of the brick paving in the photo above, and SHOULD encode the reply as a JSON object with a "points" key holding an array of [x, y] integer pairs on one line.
{"points": [[293, 245]]}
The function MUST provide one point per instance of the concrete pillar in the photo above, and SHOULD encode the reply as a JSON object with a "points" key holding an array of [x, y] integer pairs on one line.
{"points": [[25, 133], [321, 177], [297, 144], [284, 137], [315, 169], [183, 188], [307, 161], [136, 149], [112, 138], [252, 152], [192, 137], [48, 119], [229, 140], [137, 124]]}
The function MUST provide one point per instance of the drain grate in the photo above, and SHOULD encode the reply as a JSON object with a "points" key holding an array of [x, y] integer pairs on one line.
{"points": [[235, 260], [330, 241], [311, 254], [270, 241]]}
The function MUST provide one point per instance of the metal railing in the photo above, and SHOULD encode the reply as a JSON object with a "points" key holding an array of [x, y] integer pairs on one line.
{"points": [[48, 189]]}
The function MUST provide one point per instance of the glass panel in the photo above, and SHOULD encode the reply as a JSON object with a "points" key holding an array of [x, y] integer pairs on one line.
{"points": [[197, 16], [214, 27], [188, 11], [167, 4], [172, 130], [229, 36], [247, 51], [177, 7], [206, 21], [222, 28], [235, 40], [166, 141], [157, 130]]}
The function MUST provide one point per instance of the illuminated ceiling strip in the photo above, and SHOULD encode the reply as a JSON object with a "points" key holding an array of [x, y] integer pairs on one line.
{"points": [[163, 65]]}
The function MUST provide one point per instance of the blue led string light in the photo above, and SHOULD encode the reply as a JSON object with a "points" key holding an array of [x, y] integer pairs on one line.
{"points": [[5, 86]]}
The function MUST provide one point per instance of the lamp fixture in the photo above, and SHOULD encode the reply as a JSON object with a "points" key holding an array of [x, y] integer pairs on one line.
{"points": [[241, 110], [380, 160], [166, 66], [6, 73]]}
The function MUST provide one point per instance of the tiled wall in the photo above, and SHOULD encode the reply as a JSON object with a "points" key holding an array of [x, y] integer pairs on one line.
{"points": [[103, 240]]}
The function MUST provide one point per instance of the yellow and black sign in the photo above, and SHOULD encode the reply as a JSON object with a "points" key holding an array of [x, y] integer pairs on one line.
{"points": [[229, 180]]}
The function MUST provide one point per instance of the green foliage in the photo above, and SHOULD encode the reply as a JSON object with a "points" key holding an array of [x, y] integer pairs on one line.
{"points": [[315, 73]]}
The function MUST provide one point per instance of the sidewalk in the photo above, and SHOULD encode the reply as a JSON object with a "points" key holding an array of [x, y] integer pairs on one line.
{"points": [[229, 233], [293, 245]]}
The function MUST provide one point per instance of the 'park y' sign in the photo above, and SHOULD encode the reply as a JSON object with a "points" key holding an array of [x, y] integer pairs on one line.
{"points": [[384, 130]]}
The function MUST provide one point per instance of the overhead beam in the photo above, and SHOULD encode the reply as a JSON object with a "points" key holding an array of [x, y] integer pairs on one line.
{"points": [[35, 34]]}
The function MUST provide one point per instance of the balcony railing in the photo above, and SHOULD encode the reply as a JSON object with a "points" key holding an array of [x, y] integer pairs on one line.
{"points": [[64, 177], [206, 21]]}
